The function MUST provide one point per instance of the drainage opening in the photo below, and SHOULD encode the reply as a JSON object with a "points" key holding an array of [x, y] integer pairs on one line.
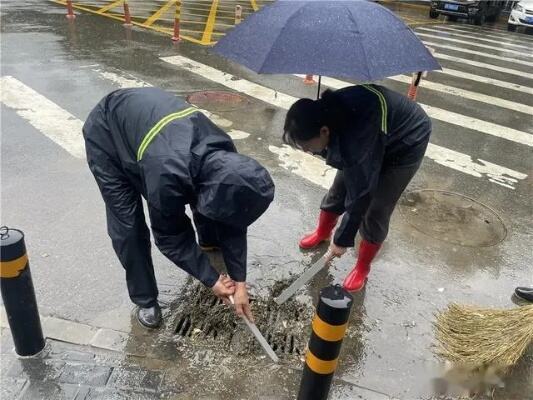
{"points": [[202, 319]]}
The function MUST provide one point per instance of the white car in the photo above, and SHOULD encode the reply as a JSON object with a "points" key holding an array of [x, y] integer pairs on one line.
{"points": [[521, 15]]}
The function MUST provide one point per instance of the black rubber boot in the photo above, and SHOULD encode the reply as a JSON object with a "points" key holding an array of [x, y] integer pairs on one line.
{"points": [[525, 293], [150, 317]]}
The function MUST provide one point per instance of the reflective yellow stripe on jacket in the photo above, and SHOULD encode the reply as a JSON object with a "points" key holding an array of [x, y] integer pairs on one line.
{"points": [[152, 133]]}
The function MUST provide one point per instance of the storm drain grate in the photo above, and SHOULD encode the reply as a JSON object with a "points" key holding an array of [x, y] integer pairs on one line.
{"points": [[202, 319]]}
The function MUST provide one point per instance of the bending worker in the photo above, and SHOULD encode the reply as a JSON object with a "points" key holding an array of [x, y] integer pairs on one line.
{"points": [[376, 139], [150, 143]]}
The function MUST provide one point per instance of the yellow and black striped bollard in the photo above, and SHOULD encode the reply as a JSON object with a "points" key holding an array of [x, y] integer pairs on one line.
{"points": [[329, 327], [18, 293]]}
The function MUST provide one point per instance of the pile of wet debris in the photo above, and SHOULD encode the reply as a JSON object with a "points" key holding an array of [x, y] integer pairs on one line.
{"points": [[201, 319]]}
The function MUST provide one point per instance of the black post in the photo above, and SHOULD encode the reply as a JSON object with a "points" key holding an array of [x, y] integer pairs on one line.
{"points": [[318, 90], [329, 327], [18, 293]]}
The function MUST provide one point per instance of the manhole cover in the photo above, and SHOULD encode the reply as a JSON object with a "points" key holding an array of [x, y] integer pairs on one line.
{"points": [[453, 218], [202, 319], [216, 100]]}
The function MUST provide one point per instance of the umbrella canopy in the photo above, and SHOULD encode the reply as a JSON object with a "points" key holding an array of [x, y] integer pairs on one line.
{"points": [[355, 39]]}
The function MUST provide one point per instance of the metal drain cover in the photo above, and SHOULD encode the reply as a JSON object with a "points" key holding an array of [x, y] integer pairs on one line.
{"points": [[202, 319], [218, 100], [453, 218]]}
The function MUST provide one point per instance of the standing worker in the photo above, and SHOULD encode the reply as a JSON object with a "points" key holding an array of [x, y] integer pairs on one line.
{"points": [[147, 142], [376, 139]]}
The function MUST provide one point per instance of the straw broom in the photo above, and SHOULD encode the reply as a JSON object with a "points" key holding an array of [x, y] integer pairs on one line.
{"points": [[482, 338]]}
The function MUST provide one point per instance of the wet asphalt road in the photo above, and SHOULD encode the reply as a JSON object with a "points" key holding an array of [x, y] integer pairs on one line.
{"points": [[51, 195]]}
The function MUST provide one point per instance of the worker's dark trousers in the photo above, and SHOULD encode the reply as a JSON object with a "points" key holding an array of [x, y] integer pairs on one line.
{"points": [[125, 217], [375, 223]]}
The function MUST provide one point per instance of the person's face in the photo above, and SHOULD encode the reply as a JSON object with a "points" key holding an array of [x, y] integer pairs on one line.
{"points": [[317, 144]]}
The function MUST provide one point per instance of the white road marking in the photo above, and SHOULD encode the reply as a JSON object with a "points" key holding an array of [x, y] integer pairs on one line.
{"points": [[473, 95], [495, 33], [474, 43], [467, 94], [483, 65], [484, 79], [44, 115], [461, 120], [262, 93], [521, 40], [304, 165], [121, 80], [315, 170], [236, 134], [479, 168], [62, 127], [479, 53], [283, 100], [131, 81], [469, 36]]}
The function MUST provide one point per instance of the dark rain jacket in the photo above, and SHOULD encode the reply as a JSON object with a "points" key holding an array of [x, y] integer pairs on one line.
{"points": [[174, 155], [385, 129]]}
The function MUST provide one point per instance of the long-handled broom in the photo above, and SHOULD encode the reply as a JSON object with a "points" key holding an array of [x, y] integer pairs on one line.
{"points": [[483, 339]]}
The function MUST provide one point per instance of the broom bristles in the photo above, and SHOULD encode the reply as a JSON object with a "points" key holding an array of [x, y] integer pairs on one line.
{"points": [[479, 337]]}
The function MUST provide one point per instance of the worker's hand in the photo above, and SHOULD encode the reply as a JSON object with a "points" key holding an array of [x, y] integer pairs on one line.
{"points": [[242, 303], [335, 251], [223, 288]]}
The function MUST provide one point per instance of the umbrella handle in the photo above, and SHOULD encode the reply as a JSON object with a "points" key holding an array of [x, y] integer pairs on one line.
{"points": [[318, 91]]}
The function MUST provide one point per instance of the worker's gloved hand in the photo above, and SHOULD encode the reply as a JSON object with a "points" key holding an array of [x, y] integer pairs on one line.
{"points": [[242, 302], [336, 251], [223, 288]]}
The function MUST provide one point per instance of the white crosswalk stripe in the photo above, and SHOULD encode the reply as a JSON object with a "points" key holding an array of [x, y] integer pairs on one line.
{"points": [[507, 39], [467, 94], [476, 167], [497, 33], [65, 129], [44, 115], [62, 127], [478, 53], [472, 43], [285, 101], [123, 81], [316, 170], [517, 47], [459, 119], [313, 170], [483, 65], [484, 79]]}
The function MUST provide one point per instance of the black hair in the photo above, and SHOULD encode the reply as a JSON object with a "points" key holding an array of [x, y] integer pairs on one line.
{"points": [[305, 117]]}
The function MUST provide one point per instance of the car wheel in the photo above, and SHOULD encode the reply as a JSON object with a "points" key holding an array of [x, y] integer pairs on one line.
{"points": [[433, 14], [494, 17], [479, 19], [511, 28]]}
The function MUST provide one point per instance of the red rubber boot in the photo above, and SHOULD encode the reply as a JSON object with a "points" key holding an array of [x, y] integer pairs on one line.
{"points": [[326, 222], [356, 279]]}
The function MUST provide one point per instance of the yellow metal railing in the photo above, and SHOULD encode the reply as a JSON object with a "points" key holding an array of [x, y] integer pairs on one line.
{"points": [[201, 21]]}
